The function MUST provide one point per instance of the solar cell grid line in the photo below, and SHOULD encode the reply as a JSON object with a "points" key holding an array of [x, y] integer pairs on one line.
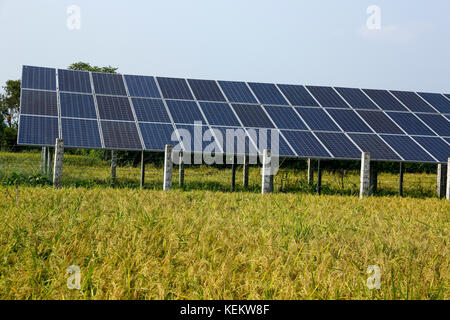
{"points": [[74, 105], [411, 124], [97, 112], [206, 90], [437, 123], [183, 111], [121, 135], [219, 113], [114, 108], [297, 95], [267, 93], [38, 78], [142, 86], [413, 101], [339, 145], [74, 81], [380, 122], [108, 84], [252, 116], [349, 120], [285, 118], [150, 110], [435, 146], [327, 97], [130, 101], [39, 102], [317, 119], [306, 144], [38, 130], [58, 103], [378, 148], [409, 149], [356, 98], [385, 100], [81, 133], [157, 135], [174, 88], [437, 100], [237, 92]]}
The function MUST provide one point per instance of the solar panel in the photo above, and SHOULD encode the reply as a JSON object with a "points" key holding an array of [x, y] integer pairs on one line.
{"points": [[207, 90], [121, 135], [436, 146], [438, 101], [410, 123], [298, 95], [317, 119], [184, 111], [81, 133], [74, 81], [327, 97], [234, 140], [197, 139], [157, 135], [150, 110], [142, 86], [114, 108], [38, 78], [357, 99], [407, 148], [447, 96], [174, 88], [349, 120], [252, 116], [285, 118], [219, 114], [436, 122], [267, 93], [413, 101], [39, 103], [40, 131], [75, 105], [378, 149], [385, 100], [339, 145], [305, 144], [379, 122], [270, 139], [237, 92], [109, 83]]}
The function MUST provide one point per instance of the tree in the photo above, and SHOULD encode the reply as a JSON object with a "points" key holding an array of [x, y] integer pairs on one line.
{"points": [[84, 66], [10, 103]]}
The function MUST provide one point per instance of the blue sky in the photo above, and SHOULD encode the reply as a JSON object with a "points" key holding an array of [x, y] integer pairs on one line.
{"points": [[322, 42]]}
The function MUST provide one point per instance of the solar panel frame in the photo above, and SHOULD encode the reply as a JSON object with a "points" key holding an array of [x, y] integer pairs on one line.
{"points": [[37, 137], [194, 144], [437, 100], [317, 119], [206, 90], [38, 78], [339, 145], [38, 102], [237, 92], [435, 146], [121, 135], [150, 110], [356, 98], [108, 84], [249, 147], [380, 122], [74, 81], [142, 86], [75, 105], [385, 100], [81, 133], [297, 95], [306, 144], [184, 112], [285, 117], [150, 130], [328, 97], [174, 88], [252, 116], [408, 149], [349, 121], [410, 123], [219, 114], [437, 123], [262, 137], [116, 108], [267, 93], [378, 148], [413, 101]]}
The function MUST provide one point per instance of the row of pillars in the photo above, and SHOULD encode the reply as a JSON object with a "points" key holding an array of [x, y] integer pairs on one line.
{"points": [[50, 165]]}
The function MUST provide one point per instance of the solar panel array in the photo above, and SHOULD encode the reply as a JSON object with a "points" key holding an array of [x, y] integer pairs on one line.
{"points": [[128, 112]]}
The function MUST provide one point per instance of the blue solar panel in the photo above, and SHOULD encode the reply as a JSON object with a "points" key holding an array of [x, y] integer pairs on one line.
{"points": [[157, 135], [150, 110], [184, 111], [349, 120], [305, 144], [252, 116], [207, 90], [437, 100], [38, 78], [270, 139], [197, 139], [447, 96], [234, 140], [81, 133], [410, 123], [219, 114], [385, 100], [142, 86], [39, 103], [380, 122], [41, 131], [285, 118], [357, 99], [77, 106], [407, 148], [121, 135], [327, 97], [298, 95], [114, 108], [268, 93], [237, 92], [413, 101], [108, 83], [378, 149], [339, 145], [174, 88], [438, 123], [74, 81], [317, 119], [436, 146]]}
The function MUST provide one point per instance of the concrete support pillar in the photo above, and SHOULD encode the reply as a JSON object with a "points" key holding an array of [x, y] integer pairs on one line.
{"points": [[113, 167], [181, 170], [373, 178], [49, 161], [267, 174], [43, 160], [400, 181], [233, 174], [58, 163], [142, 169], [319, 177], [168, 167], [448, 180], [441, 177], [246, 170], [365, 175], [310, 172]]}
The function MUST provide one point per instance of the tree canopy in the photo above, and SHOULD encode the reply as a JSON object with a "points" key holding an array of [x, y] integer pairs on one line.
{"points": [[84, 66]]}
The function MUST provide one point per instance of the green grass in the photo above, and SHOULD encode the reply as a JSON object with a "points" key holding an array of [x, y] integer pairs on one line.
{"points": [[205, 242]]}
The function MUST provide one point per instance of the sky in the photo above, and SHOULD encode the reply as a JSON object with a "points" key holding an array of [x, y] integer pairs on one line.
{"points": [[321, 42]]}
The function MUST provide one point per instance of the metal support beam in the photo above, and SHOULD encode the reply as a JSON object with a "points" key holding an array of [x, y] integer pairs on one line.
{"points": [[58, 164], [233, 174], [246, 170], [142, 169], [373, 178], [365, 175], [168, 167], [113, 167], [400, 181], [267, 174], [310, 172], [181, 170], [319, 177], [43, 160], [441, 177]]}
